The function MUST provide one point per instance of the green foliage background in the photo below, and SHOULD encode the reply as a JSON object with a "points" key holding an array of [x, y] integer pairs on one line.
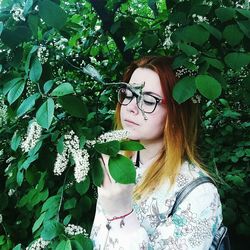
{"points": [[49, 53]]}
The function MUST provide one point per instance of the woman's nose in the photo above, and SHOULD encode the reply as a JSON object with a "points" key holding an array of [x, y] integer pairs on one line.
{"points": [[132, 106]]}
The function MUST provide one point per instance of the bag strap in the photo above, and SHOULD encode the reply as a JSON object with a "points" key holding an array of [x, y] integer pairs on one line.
{"points": [[184, 192]]}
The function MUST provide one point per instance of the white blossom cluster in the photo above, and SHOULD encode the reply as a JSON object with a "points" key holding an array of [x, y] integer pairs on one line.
{"points": [[3, 112], [81, 157], [196, 99], [11, 192], [30, 88], [61, 43], [43, 54], [184, 72], [17, 12], [208, 2], [199, 19], [168, 32], [32, 137], [109, 136], [39, 244], [72, 229], [1, 218]]}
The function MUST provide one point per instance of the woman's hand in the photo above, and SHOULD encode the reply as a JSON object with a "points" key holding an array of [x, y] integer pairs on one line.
{"points": [[114, 198]]}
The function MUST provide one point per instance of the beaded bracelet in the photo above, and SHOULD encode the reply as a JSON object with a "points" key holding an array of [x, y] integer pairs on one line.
{"points": [[117, 218]]}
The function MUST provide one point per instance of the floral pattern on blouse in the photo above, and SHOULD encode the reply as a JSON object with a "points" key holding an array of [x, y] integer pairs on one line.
{"points": [[193, 225]]}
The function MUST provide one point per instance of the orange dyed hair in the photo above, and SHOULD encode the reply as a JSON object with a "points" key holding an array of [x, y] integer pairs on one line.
{"points": [[180, 132]]}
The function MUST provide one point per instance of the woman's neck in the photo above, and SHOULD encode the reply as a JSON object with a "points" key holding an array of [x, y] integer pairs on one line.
{"points": [[152, 149]]}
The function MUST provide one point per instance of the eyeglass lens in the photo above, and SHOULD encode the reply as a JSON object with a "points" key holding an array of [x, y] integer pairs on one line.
{"points": [[145, 102]]}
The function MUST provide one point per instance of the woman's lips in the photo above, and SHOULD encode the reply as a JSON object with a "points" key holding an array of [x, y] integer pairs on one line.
{"points": [[131, 122]]}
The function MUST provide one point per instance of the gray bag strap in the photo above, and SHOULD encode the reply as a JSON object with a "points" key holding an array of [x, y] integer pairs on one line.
{"points": [[181, 195]]}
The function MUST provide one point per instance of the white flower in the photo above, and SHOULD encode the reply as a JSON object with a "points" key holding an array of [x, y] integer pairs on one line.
{"points": [[3, 112], [43, 54], [1, 218], [114, 135], [11, 192], [17, 12], [81, 158], [33, 135], [61, 162], [39, 244], [72, 229]]}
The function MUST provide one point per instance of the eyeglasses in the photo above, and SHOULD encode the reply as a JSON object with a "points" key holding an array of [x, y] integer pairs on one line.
{"points": [[145, 102]]}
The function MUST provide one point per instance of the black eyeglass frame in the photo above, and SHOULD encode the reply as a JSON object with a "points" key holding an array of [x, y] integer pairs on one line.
{"points": [[138, 99]]}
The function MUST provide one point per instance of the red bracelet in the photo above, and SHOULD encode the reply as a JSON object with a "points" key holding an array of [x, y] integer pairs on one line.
{"points": [[117, 218]]}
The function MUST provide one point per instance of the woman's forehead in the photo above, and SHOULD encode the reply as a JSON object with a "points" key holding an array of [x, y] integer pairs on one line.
{"points": [[147, 78]]}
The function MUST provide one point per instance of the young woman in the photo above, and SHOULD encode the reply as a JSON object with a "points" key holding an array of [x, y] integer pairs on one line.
{"points": [[139, 216]]}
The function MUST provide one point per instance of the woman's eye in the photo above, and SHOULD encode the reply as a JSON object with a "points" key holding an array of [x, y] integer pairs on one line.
{"points": [[148, 103]]}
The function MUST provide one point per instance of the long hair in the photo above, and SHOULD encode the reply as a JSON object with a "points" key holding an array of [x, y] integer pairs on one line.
{"points": [[180, 131]]}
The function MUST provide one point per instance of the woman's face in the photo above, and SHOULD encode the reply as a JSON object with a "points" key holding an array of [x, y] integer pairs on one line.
{"points": [[132, 118]]}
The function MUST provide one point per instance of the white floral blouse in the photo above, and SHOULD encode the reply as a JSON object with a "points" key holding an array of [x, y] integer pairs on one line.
{"points": [[193, 225]]}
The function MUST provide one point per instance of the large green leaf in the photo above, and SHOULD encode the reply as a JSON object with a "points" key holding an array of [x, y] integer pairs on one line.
{"points": [[33, 21], [225, 13], [10, 84], [212, 30], [184, 89], [45, 113], [73, 105], [131, 146], [15, 92], [63, 89], [64, 245], [14, 37], [35, 70], [195, 33], [1, 28], [27, 104], [51, 230], [97, 173], [15, 141], [122, 169], [188, 49], [83, 186], [244, 26], [109, 148], [38, 222], [232, 34], [208, 86], [52, 14], [237, 60]]}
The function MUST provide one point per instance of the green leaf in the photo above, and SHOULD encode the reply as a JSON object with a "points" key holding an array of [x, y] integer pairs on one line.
{"points": [[1, 28], [57, 19], [97, 173], [52, 201], [45, 113], [233, 35], [27, 6], [237, 60], [63, 89], [51, 229], [92, 71], [131, 145], [27, 63], [196, 34], [60, 145], [35, 71], [67, 219], [244, 26], [38, 222], [69, 204], [27, 104], [10, 84], [132, 42], [150, 40], [33, 21], [64, 245], [15, 141], [225, 14], [212, 30], [109, 148], [14, 37], [73, 105], [83, 186], [215, 63], [15, 92], [208, 86], [19, 177], [188, 49], [47, 86], [86, 243], [122, 169], [184, 89]]}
